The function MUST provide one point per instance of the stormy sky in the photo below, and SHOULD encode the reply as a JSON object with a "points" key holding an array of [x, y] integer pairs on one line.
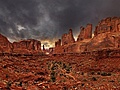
{"points": [[49, 19]]}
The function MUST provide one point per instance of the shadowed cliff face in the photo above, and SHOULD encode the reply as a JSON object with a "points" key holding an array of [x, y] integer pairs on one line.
{"points": [[106, 36], [49, 19]]}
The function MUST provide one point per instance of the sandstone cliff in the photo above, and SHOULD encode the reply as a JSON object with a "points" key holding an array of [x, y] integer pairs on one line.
{"points": [[106, 36], [68, 38], [27, 46], [5, 45], [85, 33], [58, 43], [110, 24]]}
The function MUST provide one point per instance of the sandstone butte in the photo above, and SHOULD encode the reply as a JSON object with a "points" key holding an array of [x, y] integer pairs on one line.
{"points": [[106, 36], [29, 46]]}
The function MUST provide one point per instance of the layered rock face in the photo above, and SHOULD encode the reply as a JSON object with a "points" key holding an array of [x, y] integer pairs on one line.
{"points": [[5, 45], [61, 46], [68, 42], [110, 24], [58, 43], [106, 36], [58, 47], [85, 33], [68, 38], [25, 46], [30, 45]]}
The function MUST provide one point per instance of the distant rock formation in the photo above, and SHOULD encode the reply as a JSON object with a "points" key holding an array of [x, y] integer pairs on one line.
{"points": [[24, 46], [85, 33], [110, 24], [27, 46], [68, 38], [106, 36], [58, 43], [5, 45]]}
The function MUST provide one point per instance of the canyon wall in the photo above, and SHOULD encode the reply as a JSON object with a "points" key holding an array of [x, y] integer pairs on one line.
{"points": [[27, 46], [5, 45], [69, 45], [106, 36], [85, 33], [110, 24], [58, 43], [68, 38], [24, 46]]}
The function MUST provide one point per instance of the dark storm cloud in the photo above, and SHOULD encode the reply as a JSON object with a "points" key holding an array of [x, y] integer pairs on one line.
{"points": [[49, 19], [18, 12]]}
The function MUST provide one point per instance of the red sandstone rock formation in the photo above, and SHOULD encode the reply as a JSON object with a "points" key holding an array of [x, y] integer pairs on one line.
{"points": [[101, 41], [58, 43], [68, 38], [25, 46], [108, 25], [58, 47], [30, 45], [85, 33], [68, 43], [5, 45], [106, 35]]}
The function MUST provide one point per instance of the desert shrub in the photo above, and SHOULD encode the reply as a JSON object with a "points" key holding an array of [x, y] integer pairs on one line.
{"points": [[61, 74], [65, 88], [105, 74], [7, 76], [8, 85], [98, 73], [68, 69], [53, 76], [20, 84], [54, 67], [82, 73], [82, 84], [92, 73], [94, 79], [64, 65], [111, 81], [84, 80]]}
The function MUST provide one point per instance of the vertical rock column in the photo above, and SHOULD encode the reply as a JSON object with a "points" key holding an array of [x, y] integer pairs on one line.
{"points": [[85, 33], [68, 38]]}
